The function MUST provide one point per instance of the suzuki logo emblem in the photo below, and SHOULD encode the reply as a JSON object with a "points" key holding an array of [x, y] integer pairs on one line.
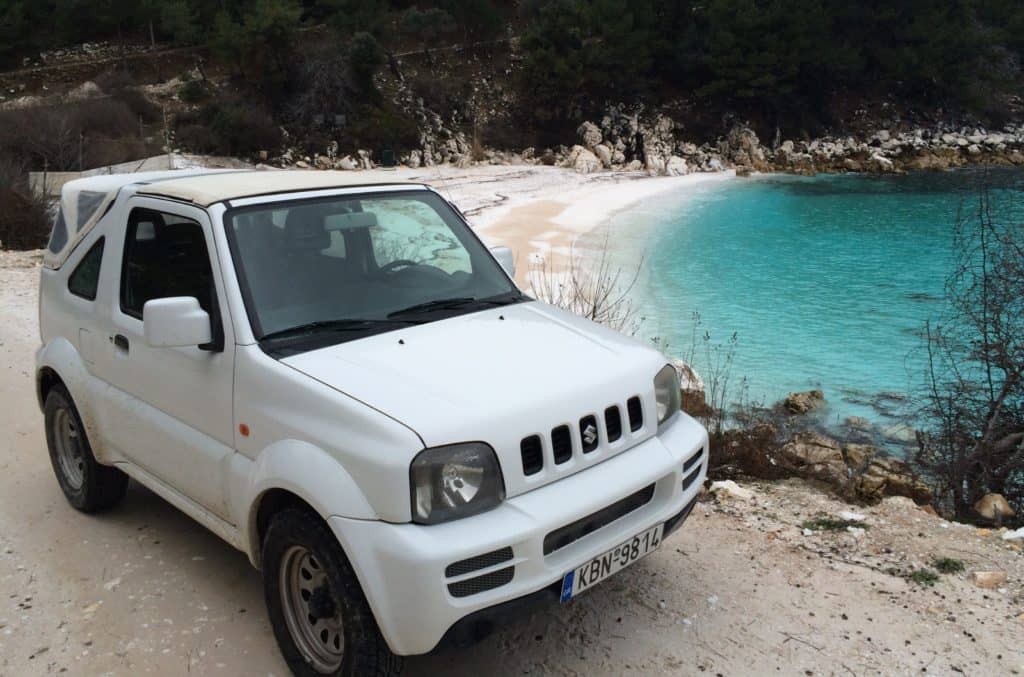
{"points": [[590, 434]]}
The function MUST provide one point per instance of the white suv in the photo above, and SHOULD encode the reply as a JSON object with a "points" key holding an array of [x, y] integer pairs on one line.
{"points": [[333, 374]]}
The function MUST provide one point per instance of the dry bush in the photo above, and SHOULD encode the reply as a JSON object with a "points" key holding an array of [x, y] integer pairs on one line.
{"points": [[72, 136], [590, 287], [972, 408], [24, 218]]}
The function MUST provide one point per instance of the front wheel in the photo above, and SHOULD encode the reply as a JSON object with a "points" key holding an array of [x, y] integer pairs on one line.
{"points": [[321, 619], [88, 485]]}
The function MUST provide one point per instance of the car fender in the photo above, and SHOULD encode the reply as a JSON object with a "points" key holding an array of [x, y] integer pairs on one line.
{"points": [[62, 358], [308, 472]]}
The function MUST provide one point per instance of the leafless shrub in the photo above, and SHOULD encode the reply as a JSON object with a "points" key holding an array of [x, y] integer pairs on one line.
{"points": [[972, 408], [24, 219], [591, 287]]}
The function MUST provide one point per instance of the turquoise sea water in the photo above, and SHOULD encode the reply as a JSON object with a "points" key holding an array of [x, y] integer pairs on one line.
{"points": [[826, 281]]}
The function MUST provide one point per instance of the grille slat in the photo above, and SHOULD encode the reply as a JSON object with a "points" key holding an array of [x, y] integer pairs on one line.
{"points": [[474, 586], [571, 533], [690, 479], [613, 423], [561, 443], [531, 451], [471, 564], [636, 414]]}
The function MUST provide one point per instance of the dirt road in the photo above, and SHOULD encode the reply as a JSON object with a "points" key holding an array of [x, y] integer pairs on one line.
{"points": [[739, 591]]}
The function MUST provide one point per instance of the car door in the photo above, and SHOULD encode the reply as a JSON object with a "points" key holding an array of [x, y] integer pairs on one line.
{"points": [[170, 408]]}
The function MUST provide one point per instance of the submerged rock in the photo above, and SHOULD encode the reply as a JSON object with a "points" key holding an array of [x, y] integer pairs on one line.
{"points": [[803, 402]]}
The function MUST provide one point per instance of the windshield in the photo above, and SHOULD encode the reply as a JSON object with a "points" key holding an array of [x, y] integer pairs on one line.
{"points": [[316, 272]]}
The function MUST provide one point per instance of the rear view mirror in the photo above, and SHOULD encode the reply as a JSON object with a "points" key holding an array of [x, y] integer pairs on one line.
{"points": [[176, 322], [506, 259]]}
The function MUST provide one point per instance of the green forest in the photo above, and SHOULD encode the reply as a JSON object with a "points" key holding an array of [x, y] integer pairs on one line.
{"points": [[779, 62]]}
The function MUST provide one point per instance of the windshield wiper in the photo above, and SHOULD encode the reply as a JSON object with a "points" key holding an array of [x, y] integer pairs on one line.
{"points": [[346, 324], [458, 302]]}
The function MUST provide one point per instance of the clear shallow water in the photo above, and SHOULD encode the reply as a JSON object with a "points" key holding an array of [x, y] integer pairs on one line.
{"points": [[826, 281]]}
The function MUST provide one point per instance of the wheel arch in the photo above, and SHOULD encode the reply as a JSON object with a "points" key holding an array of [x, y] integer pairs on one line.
{"points": [[290, 474]]}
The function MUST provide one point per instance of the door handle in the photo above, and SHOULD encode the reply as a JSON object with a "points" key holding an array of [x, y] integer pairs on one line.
{"points": [[120, 341]]}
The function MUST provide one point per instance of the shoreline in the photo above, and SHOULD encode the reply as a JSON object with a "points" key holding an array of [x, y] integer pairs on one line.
{"points": [[540, 212]]}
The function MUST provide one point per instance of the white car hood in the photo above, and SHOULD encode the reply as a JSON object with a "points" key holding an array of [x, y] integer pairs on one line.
{"points": [[495, 376]]}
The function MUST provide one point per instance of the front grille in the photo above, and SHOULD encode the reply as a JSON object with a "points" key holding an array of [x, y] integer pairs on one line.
{"points": [[589, 436], [613, 423], [474, 586], [561, 443], [532, 454], [571, 533], [472, 564], [564, 444], [636, 414]]}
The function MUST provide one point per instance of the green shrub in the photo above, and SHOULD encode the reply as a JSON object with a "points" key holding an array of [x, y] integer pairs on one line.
{"points": [[925, 577], [826, 523], [948, 565]]}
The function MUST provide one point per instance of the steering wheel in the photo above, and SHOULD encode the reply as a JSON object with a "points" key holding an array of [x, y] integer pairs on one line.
{"points": [[395, 265]]}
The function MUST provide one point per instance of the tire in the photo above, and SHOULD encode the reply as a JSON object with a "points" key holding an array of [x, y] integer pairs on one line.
{"points": [[307, 576], [88, 485]]}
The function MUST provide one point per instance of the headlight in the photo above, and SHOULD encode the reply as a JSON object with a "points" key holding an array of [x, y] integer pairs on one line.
{"points": [[667, 393], [454, 481]]}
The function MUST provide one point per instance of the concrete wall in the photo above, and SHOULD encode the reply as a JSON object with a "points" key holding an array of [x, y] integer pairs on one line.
{"points": [[48, 184]]}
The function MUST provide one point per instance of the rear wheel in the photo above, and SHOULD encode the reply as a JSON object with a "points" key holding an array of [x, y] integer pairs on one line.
{"points": [[321, 619], [88, 485]]}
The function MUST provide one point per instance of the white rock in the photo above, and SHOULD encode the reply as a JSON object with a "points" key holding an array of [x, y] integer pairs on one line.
{"points": [[589, 133], [676, 166], [1017, 535], [604, 154], [808, 532], [347, 163], [857, 532], [586, 162], [730, 489]]}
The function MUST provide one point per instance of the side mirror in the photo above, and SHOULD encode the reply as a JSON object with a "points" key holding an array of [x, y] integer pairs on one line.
{"points": [[176, 322], [506, 259]]}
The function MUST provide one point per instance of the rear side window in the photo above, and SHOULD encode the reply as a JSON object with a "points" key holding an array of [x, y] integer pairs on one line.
{"points": [[165, 255], [59, 234], [85, 278]]}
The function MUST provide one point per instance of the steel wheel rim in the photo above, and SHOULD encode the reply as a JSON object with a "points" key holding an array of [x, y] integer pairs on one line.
{"points": [[308, 603], [69, 448]]}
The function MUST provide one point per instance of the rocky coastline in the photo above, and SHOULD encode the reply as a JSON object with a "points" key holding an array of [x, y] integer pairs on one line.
{"points": [[630, 141]]}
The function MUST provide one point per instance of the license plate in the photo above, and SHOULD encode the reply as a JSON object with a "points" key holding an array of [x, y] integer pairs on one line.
{"points": [[618, 558]]}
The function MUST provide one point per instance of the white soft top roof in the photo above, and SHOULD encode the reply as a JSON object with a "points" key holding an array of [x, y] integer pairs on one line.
{"points": [[83, 202], [205, 190]]}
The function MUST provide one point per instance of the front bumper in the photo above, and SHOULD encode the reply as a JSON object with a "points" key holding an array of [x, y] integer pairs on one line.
{"points": [[402, 566]]}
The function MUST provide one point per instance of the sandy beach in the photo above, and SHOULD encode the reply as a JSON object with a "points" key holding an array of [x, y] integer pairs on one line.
{"points": [[742, 589]]}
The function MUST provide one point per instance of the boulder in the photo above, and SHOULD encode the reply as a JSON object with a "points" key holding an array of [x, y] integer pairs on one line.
{"points": [[729, 489], [590, 134], [803, 402], [887, 476], [346, 163], [415, 159], [814, 456], [676, 166], [604, 154], [364, 159], [634, 166], [585, 162], [989, 579], [994, 508]]}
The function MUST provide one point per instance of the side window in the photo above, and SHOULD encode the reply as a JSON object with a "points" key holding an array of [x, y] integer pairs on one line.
{"points": [[164, 255], [85, 278]]}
